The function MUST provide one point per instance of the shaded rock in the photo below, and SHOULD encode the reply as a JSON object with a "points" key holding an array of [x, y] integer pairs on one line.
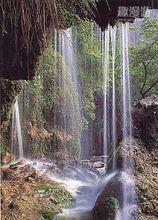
{"points": [[97, 158], [145, 120], [8, 90], [6, 174], [14, 166], [124, 155], [12, 205]]}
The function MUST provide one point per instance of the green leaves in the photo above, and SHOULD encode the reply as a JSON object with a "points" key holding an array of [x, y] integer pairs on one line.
{"points": [[144, 58]]}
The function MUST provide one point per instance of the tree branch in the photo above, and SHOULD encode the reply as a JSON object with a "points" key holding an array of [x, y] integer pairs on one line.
{"points": [[156, 82], [145, 78]]}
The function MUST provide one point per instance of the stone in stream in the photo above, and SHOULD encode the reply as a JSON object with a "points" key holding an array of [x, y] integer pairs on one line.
{"points": [[110, 200]]}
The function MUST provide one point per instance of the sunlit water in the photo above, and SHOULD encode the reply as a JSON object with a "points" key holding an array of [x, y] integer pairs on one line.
{"points": [[16, 132], [86, 189], [113, 45], [71, 102], [105, 51], [128, 190]]}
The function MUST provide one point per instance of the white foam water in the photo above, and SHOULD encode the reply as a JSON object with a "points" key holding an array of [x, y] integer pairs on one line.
{"points": [[16, 131]]}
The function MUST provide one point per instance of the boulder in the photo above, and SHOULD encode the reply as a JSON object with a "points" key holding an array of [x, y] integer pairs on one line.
{"points": [[109, 201]]}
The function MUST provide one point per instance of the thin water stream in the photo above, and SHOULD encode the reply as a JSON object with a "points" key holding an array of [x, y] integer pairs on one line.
{"points": [[113, 45], [16, 132], [106, 52], [71, 102]]}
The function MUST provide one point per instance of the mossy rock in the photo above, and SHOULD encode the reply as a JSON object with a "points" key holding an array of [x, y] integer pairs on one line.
{"points": [[112, 202], [59, 196], [48, 214]]}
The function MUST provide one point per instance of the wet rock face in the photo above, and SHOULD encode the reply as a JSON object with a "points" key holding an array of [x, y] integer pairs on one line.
{"points": [[109, 200], [110, 203], [9, 91], [145, 120]]}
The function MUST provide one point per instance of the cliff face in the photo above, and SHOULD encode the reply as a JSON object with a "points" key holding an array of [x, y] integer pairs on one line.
{"points": [[8, 94], [145, 120], [8, 90]]}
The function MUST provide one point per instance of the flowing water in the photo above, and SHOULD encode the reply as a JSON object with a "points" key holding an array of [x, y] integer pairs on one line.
{"points": [[71, 103], [113, 43], [128, 181], [92, 188], [16, 132], [105, 52], [86, 187]]}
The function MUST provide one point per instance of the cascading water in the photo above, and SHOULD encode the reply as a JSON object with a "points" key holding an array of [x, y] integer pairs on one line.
{"points": [[113, 43], [16, 132], [87, 185], [105, 51], [128, 181], [69, 73], [126, 96], [82, 204]]}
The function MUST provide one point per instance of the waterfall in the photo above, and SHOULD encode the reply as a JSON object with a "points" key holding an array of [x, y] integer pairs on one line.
{"points": [[109, 50], [16, 132], [128, 181], [113, 43], [71, 102], [105, 51], [126, 92], [86, 185]]}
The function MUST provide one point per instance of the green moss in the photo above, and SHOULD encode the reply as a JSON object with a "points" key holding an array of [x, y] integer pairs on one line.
{"points": [[113, 203], [56, 194], [59, 197], [49, 214]]}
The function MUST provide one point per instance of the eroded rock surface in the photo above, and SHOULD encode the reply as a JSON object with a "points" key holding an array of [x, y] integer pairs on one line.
{"points": [[145, 119]]}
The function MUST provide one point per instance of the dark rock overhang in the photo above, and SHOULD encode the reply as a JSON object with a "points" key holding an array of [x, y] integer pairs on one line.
{"points": [[22, 40], [110, 11]]}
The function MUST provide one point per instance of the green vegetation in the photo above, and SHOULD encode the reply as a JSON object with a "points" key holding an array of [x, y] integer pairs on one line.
{"points": [[145, 58], [113, 203], [57, 195]]}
